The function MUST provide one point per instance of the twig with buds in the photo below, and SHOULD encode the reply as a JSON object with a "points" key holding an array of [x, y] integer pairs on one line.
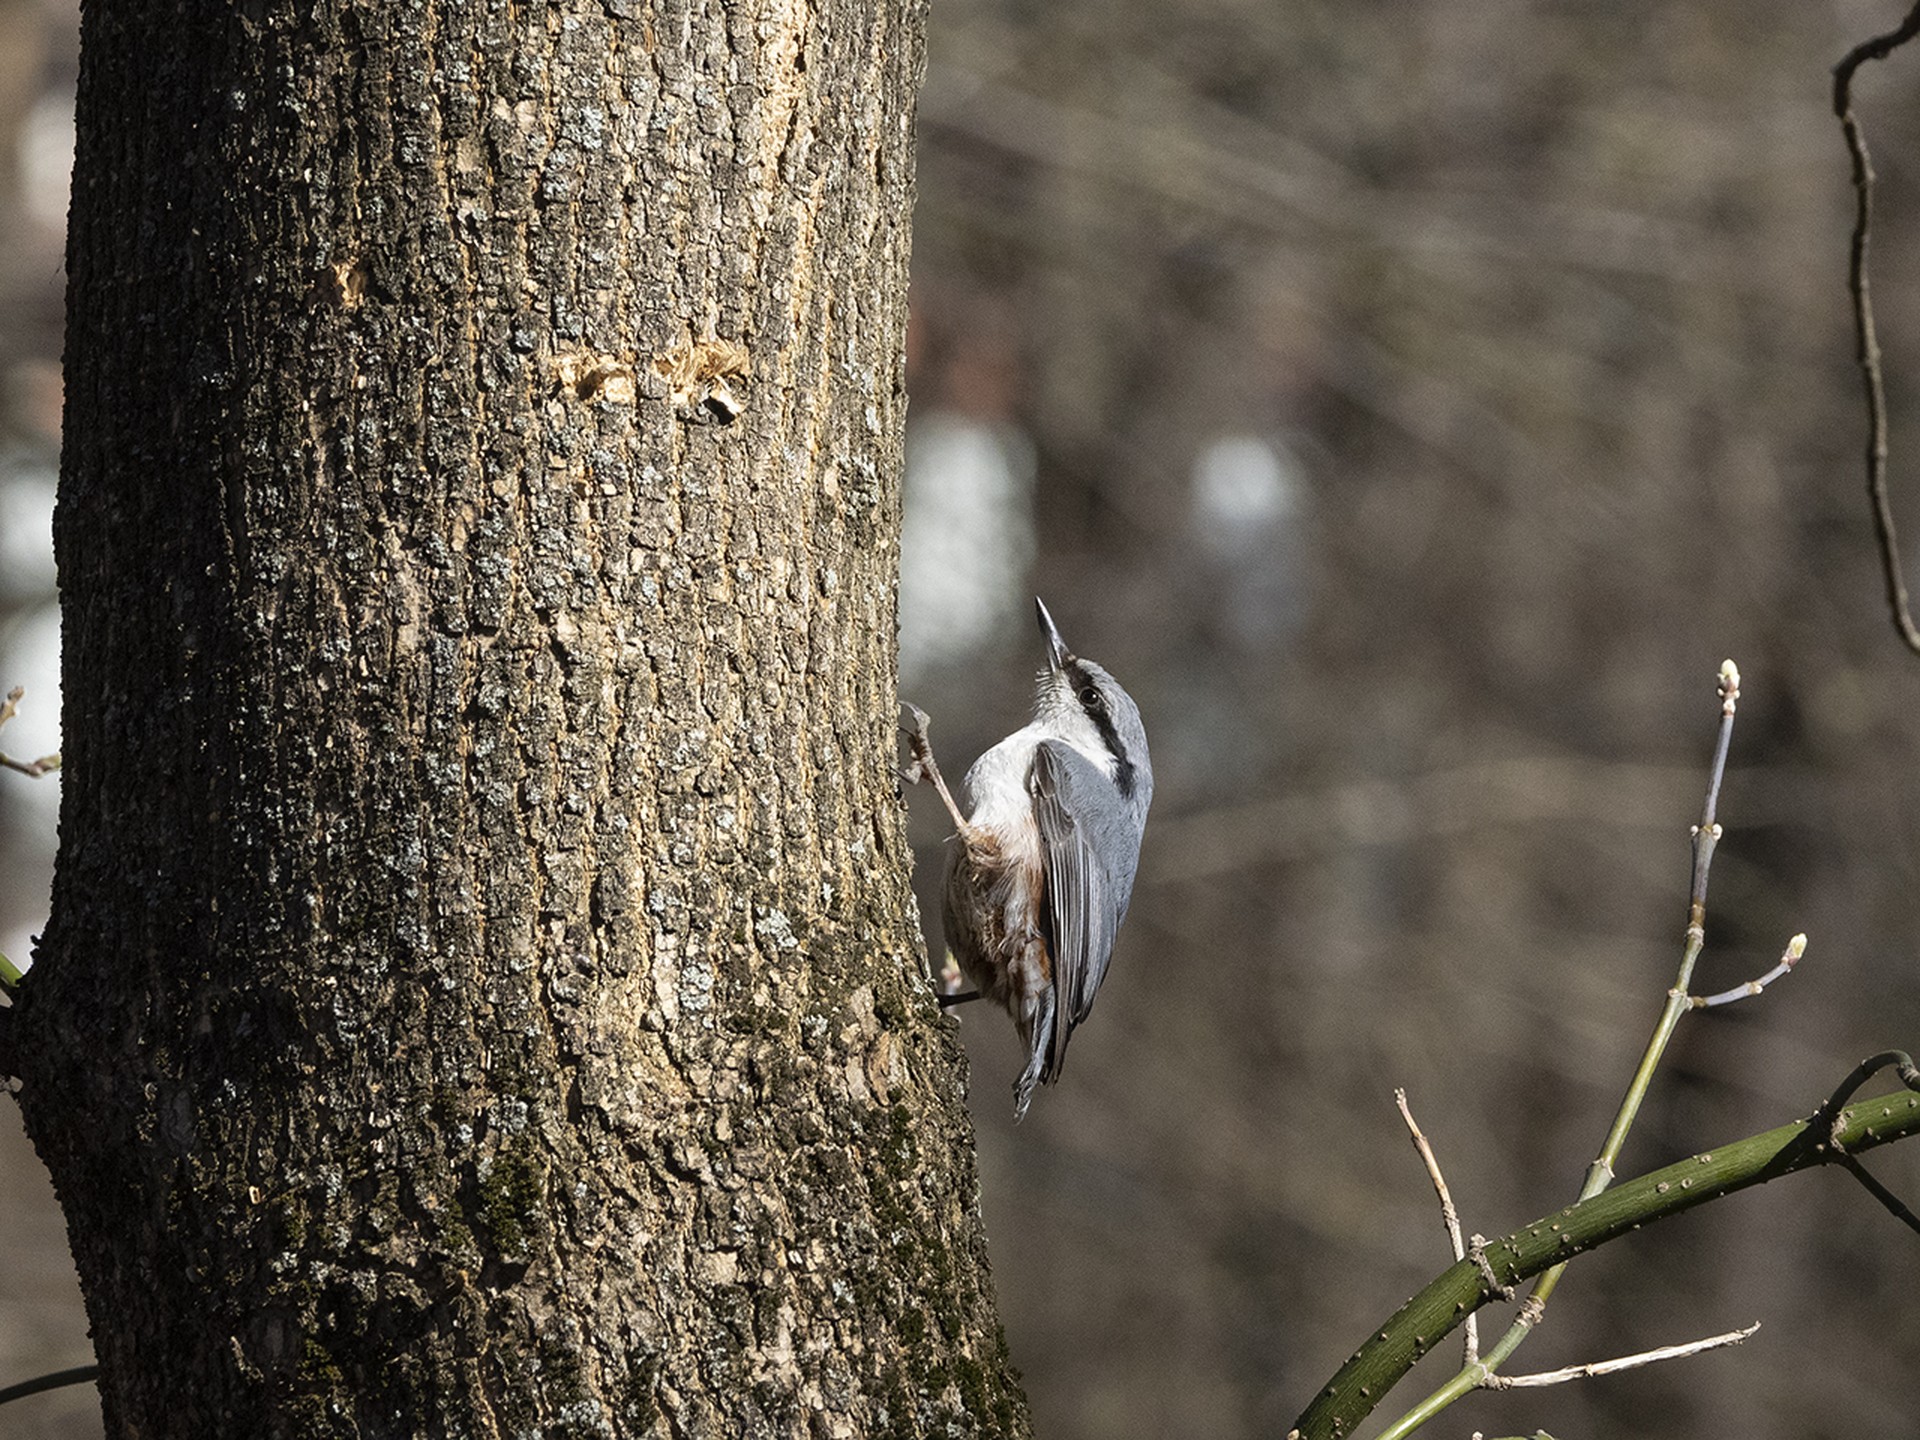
{"points": [[1483, 1372], [1796, 948]]}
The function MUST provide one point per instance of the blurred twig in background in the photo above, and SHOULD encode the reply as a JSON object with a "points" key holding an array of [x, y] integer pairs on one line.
{"points": [[10, 973], [1877, 48], [45, 764]]}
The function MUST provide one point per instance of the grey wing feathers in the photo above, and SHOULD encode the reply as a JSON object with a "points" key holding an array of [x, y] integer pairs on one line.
{"points": [[1092, 848]]}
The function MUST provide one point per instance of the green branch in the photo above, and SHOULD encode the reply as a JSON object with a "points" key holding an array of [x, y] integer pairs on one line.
{"points": [[1431, 1315]]}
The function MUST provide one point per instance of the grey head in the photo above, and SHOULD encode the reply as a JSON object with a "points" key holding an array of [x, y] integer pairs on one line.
{"points": [[1077, 701]]}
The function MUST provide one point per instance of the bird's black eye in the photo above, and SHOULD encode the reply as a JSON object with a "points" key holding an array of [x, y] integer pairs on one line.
{"points": [[1090, 698]]}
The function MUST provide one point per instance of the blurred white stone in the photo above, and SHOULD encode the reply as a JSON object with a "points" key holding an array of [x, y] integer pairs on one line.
{"points": [[46, 159], [1244, 489], [966, 539], [1248, 517], [26, 535]]}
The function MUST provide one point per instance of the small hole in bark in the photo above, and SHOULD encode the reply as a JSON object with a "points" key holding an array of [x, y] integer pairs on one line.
{"points": [[721, 403]]}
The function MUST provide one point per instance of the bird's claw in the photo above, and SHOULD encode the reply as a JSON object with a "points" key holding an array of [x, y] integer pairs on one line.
{"points": [[915, 726]]}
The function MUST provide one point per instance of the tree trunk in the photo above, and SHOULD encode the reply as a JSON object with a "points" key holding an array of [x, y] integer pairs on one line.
{"points": [[482, 995]]}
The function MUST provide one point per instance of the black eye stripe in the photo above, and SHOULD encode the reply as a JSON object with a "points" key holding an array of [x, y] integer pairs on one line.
{"points": [[1102, 719]]}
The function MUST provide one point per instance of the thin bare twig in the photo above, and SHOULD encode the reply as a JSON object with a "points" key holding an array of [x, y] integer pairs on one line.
{"points": [[1895, 1205], [1867, 347], [1449, 1215], [1796, 948], [1623, 1362]]}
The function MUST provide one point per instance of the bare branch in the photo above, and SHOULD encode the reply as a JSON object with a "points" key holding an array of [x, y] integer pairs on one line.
{"points": [[1623, 1362], [1448, 1215], [1867, 343], [1796, 947]]}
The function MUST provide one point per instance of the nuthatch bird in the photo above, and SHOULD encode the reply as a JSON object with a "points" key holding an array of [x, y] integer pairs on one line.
{"points": [[1037, 888]]}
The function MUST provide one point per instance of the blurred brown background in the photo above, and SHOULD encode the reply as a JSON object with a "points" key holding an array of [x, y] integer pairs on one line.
{"points": [[1412, 405]]}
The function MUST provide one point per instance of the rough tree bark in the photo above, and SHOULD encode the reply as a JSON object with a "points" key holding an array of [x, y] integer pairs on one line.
{"points": [[481, 996]]}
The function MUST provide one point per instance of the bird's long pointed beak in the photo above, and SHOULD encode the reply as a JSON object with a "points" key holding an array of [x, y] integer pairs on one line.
{"points": [[1057, 652]]}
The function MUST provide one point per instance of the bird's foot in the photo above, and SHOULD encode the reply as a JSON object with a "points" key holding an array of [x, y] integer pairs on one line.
{"points": [[922, 766], [919, 767], [914, 725]]}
